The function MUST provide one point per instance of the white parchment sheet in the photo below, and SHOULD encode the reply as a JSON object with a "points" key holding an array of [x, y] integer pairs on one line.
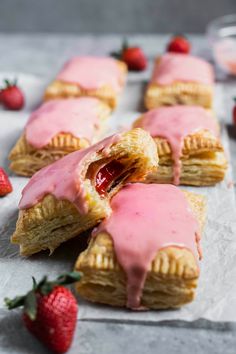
{"points": [[216, 294]]}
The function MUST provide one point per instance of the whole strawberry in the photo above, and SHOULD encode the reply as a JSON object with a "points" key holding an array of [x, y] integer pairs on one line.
{"points": [[179, 44], [5, 184], [234, 111], [11, 96], [134, 57], [50, 311]]}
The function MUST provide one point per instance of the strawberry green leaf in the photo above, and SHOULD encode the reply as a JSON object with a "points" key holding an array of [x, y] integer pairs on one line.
{"points": [[42, 282], [125, 44], [116, 55], [47, 287], [68, 278], [31, 305], [16, 302], [34, 283]]}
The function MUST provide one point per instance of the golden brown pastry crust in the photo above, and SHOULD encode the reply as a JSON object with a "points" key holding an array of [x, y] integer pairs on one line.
{"points": [[51, 221], [171, 279], [60, 89], [184, 93], [26, 159], [203, 160]]}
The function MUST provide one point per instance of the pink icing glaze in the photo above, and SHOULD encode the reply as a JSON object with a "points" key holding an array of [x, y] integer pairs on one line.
{"points": [[182, 67], [174, 124], [92, 72], [76, 116], [160, 216], [64, 178]]}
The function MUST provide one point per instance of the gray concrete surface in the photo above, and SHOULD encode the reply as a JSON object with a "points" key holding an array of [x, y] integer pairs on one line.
{"points": [[43, 55], [111, 16]]}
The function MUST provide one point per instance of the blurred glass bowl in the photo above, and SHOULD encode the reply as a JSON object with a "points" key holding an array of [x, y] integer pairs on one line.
{"points": [[221, 34]]}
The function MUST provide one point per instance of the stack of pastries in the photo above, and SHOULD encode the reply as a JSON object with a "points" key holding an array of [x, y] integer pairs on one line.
{"points": [[144, 248]]}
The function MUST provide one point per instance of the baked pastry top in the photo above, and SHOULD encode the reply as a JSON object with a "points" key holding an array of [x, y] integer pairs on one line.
{"points": [[188, 144], [72, 194], [180, 79], [174, 67], [55, 129], [102, 77], [145, 254]]}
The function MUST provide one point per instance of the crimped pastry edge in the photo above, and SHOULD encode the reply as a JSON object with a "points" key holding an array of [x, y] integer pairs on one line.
{"points": [[129, 147], [60, 89], [174, 271]]}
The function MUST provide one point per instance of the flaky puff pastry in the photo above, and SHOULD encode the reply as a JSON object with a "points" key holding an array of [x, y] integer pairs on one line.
{"points": [[106, 93], [26, 159], [50, 221], [203, 161], [178, 92], [171, 279]]}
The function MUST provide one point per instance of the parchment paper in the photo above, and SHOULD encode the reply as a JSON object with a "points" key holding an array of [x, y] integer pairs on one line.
{"points": [[216, 294]]}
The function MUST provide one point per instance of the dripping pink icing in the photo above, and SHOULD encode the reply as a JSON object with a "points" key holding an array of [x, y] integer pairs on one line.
{"points": [[145, 219], [76, 116], [182, 67], [92, 72], [174, 124], [64, 178]]}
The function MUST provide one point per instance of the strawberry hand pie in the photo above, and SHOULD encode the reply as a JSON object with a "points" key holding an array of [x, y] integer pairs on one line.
{"points": [[101, 77], [188, 144], [72, 195], [145, 254], [180, 79], [55, 129]]}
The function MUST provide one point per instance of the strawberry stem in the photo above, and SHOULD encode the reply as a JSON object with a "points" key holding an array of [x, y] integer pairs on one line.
{"points": [[125, 45], [8, 83], [118, 54]]}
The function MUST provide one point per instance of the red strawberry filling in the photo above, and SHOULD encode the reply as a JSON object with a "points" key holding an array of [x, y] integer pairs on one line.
{"points": [[107, 175]]}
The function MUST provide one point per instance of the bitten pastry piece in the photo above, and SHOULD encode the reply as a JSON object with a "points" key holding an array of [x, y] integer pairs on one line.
{"points": [[145, 255], [101, 77], [55, 129], [188, 144], [72, 194], [180, 79]]}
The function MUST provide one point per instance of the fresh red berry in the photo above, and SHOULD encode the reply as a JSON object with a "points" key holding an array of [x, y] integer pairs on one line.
{"points": [[5, 184], [179, 44], [234, 111], [56, 319], [12, 97], [50, 311], [135, 58]]}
